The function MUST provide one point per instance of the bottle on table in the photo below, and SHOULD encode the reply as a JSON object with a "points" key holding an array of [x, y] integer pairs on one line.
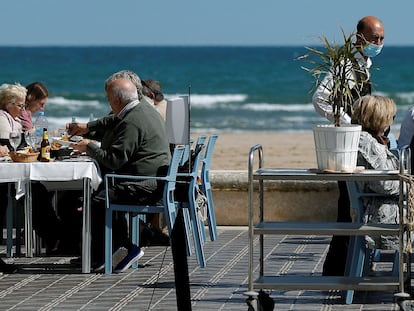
{"points": [[40, 123], [45, 147]]}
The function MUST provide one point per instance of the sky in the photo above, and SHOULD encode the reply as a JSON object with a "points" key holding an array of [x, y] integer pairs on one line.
{"points": [[196, 22]]}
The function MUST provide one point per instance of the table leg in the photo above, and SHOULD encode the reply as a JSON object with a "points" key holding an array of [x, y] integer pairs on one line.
{"points": [[9, 222], [86, 227], [28, 224]]}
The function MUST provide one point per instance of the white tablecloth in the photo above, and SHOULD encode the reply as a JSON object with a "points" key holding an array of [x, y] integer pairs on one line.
{"points": [[58, 171], [49, 171]]}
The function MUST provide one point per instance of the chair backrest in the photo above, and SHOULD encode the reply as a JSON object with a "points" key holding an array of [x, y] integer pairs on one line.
{"points": [[169, 189], [205, 170], [356, 198], [192, 157], [175, 162], [197, 154]]}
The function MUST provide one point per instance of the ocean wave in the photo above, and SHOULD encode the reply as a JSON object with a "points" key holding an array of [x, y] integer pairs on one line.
{"points": [[207, 101], [278, 107], [407, 97], [73, 104]]}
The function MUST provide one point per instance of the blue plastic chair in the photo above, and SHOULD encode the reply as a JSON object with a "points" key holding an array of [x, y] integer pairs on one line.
{"points": [[206, 187], [360, 256], [193, 225], [168, 207]]}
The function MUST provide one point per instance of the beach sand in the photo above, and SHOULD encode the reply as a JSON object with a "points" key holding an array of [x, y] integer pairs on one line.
{"points": [[281, 150]]}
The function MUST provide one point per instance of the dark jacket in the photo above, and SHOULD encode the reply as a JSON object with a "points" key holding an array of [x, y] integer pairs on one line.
{"points": [[136, 144]]}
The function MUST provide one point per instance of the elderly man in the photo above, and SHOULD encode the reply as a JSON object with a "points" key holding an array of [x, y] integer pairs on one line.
{"points": [[133, 141], [369, 40]]}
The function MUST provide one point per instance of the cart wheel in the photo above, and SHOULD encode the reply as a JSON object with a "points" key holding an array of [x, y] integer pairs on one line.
{"points": [[251, 300]]}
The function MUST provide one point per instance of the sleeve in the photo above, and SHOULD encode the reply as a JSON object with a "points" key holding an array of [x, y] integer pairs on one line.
{"points": [[5, 128], [321, 103], [406, 129], [375, 156], [98, 127], [123, 146]]}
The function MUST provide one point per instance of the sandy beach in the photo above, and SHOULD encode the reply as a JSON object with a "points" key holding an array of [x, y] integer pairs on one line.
{"points": [[282, 150]]}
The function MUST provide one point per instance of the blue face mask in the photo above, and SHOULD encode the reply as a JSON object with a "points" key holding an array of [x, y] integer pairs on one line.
{"points": [[372, 50]]}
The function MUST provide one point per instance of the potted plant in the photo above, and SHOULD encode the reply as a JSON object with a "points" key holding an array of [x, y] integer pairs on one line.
{"points": [[337, 144]]}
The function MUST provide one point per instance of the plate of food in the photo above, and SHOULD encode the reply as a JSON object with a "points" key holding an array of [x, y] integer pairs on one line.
{"points": [[58, 142]]}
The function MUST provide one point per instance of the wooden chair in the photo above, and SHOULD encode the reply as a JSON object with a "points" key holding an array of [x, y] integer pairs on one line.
{"points": [[167, 208]]}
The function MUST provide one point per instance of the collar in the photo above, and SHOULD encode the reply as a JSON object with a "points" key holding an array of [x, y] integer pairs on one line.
{"points": [[127, 108]]}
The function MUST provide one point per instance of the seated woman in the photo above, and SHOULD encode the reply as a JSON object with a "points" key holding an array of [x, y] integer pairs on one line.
{"points": [[375, 114], [45, 221]]}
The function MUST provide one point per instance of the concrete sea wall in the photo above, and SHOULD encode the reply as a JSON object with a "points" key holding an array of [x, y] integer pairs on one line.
{"points": [[284, 200]]}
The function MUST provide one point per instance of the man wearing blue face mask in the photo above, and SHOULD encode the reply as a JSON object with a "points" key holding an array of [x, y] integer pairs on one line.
{"points": [[369, 41]]}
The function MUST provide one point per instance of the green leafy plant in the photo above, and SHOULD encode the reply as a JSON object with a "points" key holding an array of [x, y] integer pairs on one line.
{"points": [[341, 62]]}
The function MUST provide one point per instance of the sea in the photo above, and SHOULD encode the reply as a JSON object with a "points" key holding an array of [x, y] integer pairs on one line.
{"points": [[231, 89]]}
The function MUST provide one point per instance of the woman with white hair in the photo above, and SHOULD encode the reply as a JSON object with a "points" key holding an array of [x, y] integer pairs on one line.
{"points": [[12, 101], [375, 114], [45, 221]]}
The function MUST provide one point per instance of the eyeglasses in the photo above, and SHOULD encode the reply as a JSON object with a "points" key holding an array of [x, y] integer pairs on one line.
{"points": [[20, 106]]}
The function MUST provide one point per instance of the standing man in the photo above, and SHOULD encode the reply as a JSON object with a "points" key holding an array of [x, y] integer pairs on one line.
{"points": [[132, 142], [369, 41]]}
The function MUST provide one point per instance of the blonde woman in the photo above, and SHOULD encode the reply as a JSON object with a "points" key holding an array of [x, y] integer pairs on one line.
{"points": [[45, 221], [375, 114], [12, 101]]}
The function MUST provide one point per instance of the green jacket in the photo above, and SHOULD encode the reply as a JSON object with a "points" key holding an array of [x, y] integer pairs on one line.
{"points": [[136, 144]]}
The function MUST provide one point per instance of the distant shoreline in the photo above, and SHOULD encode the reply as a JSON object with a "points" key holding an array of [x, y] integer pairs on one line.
{"points": [[173, 46]]}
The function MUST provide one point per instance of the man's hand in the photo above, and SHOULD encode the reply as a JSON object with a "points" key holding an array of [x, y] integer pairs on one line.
{"points": [[80, 145], [77, 128]]}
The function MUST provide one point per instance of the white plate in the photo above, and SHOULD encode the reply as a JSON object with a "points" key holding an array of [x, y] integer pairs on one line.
{"points": [[75, 138], [62, 142]]}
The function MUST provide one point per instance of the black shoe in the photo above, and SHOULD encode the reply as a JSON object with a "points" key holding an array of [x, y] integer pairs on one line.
{"points": [[77, 262], [7, 268], [153, 236]]}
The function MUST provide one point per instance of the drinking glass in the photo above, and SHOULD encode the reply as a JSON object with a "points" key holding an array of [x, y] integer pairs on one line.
{"points": [[31, 139], [15, 139]]}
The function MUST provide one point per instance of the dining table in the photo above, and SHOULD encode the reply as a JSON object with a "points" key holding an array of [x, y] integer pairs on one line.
{"points": [[60, 175]]}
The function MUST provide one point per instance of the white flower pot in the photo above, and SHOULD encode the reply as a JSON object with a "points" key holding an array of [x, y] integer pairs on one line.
{"points": [[337, 147]]}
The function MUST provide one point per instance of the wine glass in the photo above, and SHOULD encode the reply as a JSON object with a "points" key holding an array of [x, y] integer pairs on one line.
{"points": [[15, 139], [31, 139]]}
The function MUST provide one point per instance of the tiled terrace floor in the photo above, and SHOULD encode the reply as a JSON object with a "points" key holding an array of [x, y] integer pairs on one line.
{"points": [[46, 283]]}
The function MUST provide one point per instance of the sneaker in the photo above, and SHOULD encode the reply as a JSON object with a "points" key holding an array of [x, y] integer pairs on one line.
{"points": [[135, 254], [117, 257], [119, 254]]}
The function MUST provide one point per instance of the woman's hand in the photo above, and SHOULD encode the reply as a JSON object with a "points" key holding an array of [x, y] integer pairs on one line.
{"points": [[4, 151]]}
